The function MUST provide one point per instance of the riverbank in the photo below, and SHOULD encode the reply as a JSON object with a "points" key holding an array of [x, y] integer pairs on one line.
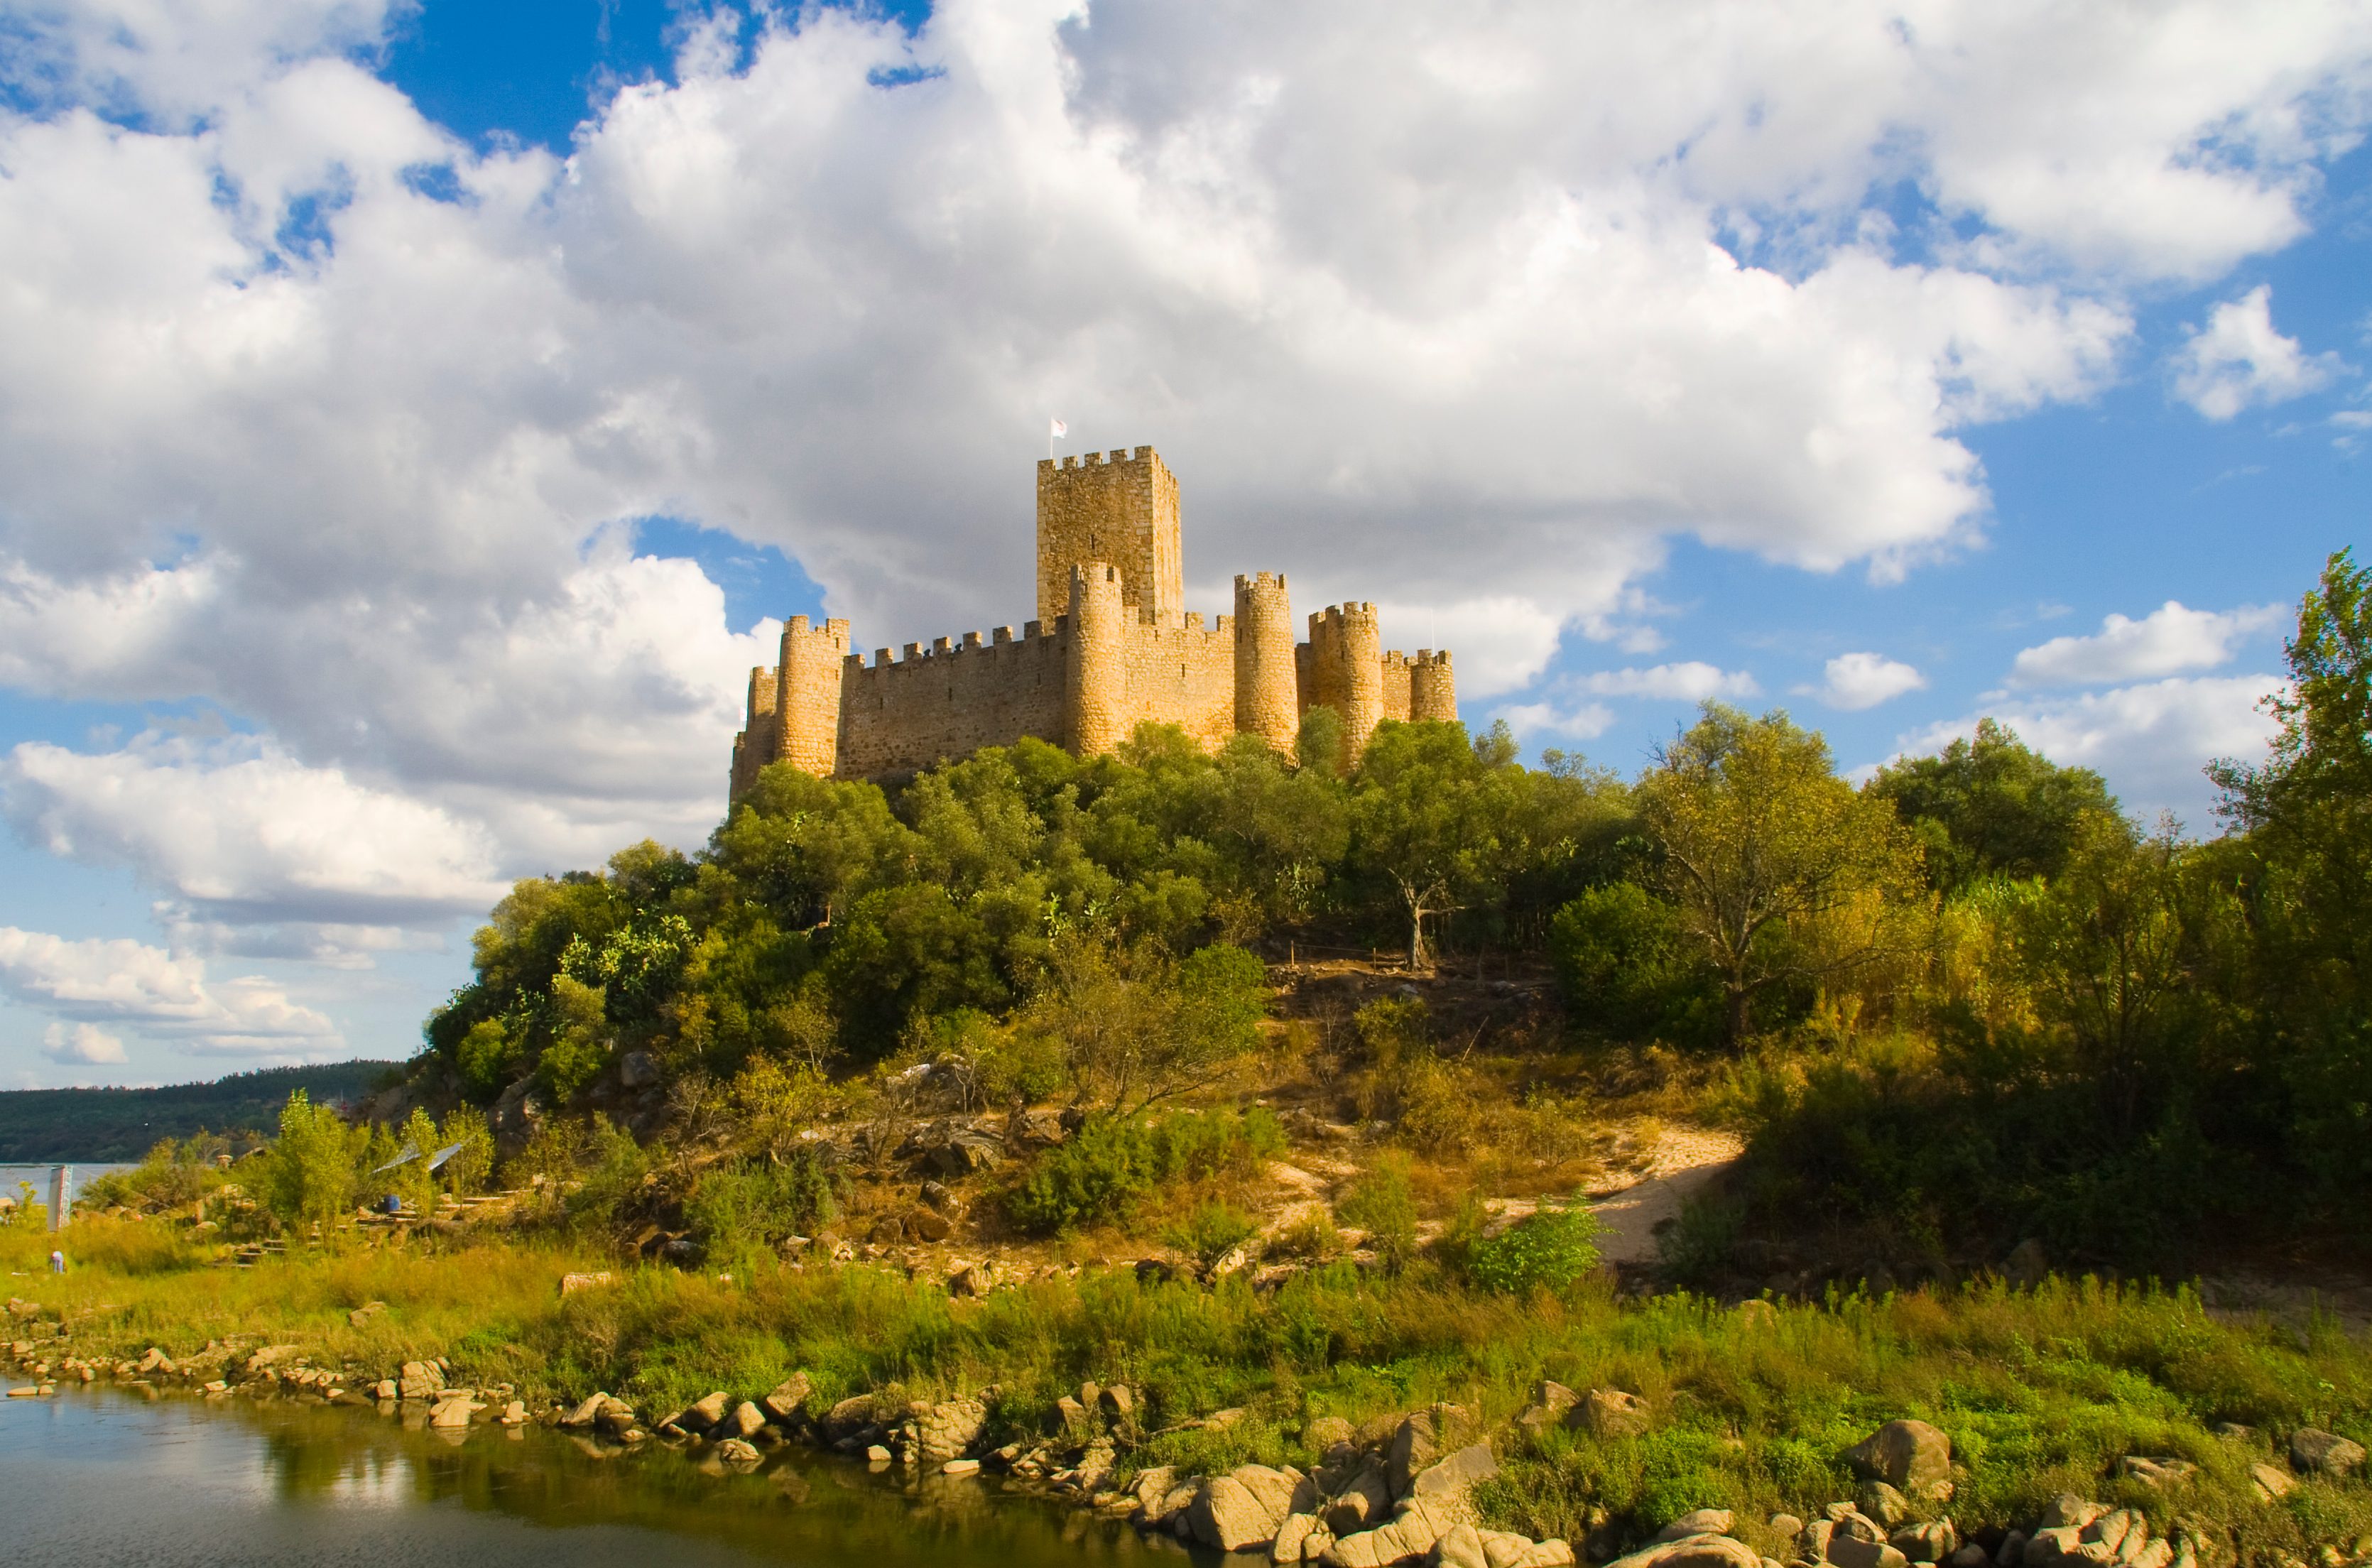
{"points": [[1751, 1409]]}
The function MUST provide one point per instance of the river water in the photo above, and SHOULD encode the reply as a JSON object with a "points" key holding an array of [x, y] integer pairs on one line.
{"points": [[97, 1477]]}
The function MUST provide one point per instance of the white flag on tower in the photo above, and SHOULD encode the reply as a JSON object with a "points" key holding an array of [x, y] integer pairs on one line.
{"points": [[1057, 428]]}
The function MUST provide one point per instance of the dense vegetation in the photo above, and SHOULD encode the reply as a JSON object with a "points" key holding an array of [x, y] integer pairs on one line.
{"points": [[38, 1126], [1965, 1003]]}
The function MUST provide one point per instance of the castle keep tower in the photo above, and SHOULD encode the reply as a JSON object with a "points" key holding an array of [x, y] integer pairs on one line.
{"points": [[1113, 647], [1123, 510]]}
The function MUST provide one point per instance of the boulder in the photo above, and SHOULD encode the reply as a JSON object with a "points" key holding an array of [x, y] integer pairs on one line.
{"points": [[1925, 1543], [1908, 1455], [1703, 1522], [1883, 1503], [2067, 1510], [848, 1418], [787, 1403], [2269, 1482], [2052, 1544], [2315, 1450], [2159, 1472], [1149, 1488], [1230, 1515], [515, 1414], [1786, 1526], [1549, 1407], [571, 1284], [1327, 1431], [1550, 1554], [746, 1422], [705, 1412], [1611, 1412], [738, 1451], [971, 1279], [1455, 1476], [926, 1223], [2026, 1267], [1812, 1546], [1461, 1548], [1851, 1524], [454, 1412], [1968, 1556], [582, 1415], [950, 1428], [1851, 1551], [1119, 1401], [1367, 1499], [1291, 1535], [1420, 1441], [638, 1070], [1694, 1552]]}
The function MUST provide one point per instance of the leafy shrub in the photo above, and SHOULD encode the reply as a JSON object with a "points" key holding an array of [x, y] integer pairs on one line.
{"points": [[1381, 1203], [1212, 1232], [1313, 1236], [1550, 1249], [1697, 1247], [1622, 963], [1103, 1172], [753, 1204]]}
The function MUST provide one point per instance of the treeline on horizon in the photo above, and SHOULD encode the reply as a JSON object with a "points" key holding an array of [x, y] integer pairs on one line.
{"points": [[1967, 1001], [101, 1126]]}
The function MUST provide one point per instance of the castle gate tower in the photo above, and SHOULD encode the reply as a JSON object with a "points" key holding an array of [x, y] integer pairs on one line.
{"points": [[1121, 510], [1268, 686]]}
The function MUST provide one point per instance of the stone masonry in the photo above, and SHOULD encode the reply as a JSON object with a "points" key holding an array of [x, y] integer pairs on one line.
{"points": [[1112, 647]]}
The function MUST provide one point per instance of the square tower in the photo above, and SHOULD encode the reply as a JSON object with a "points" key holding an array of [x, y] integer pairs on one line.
{"points": [[1121, 509]]}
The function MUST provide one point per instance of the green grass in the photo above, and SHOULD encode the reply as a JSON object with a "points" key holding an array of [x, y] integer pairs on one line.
{"points": [[2040, 1392]]}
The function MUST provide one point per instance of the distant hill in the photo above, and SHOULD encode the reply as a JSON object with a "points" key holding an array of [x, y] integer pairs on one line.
{"points": [[94, 1125]]}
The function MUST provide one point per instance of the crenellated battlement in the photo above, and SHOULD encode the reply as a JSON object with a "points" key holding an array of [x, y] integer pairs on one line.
{"points": [[1112, 647]]}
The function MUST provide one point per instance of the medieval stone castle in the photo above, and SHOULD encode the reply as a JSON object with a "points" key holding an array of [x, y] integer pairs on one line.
{"points": [[1114, 646]]}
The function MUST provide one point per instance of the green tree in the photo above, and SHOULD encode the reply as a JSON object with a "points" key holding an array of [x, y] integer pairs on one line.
{"points": [[1760, 843], [1427, 819], [2305, 872], [310, 1175], [1136, 1026], [1991, 806]]}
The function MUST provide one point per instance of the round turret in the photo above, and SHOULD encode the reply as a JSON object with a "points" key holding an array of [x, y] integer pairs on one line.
{"points": [[1096, 671], [1268, 690]]}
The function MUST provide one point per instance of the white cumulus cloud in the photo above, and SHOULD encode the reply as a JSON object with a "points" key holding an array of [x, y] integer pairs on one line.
{"points": [[2167, 641], [1438, 308], [1854, 681], [1692, 680], [2238, 361], [97, 980], [86, 1045], [2152, 740]]}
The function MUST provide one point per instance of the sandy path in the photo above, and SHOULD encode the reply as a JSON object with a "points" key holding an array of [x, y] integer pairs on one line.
{"points": [[1665, 1173]]}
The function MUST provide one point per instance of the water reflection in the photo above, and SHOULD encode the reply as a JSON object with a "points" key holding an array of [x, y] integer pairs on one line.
{"points": [[227, 1479]]}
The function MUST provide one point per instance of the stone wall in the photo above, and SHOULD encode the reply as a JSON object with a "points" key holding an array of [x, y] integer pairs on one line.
{"points": [[951, 700]]}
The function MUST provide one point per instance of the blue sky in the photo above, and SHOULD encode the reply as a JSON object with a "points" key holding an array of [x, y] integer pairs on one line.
{"points": [[418, 418]]}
